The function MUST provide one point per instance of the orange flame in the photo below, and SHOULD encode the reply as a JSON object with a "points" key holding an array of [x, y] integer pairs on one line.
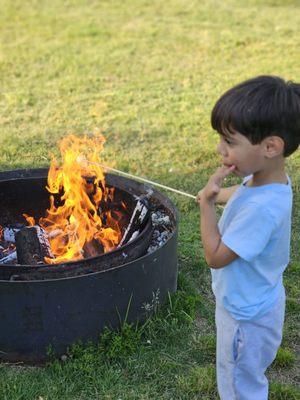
{"points": [[73, 221]]}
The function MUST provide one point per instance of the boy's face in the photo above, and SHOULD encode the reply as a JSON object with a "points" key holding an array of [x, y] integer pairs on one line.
{"points": [[236, 149]]}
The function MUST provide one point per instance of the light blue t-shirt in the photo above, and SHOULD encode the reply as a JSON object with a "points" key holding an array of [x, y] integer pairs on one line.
{"points": [[256, 225]]}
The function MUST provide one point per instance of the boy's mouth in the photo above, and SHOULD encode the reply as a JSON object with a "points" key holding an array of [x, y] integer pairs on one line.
{"points": [[229, 166], [235, 171]]}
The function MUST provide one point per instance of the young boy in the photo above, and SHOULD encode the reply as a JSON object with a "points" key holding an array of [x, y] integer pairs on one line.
{"points": [[259, 125]]}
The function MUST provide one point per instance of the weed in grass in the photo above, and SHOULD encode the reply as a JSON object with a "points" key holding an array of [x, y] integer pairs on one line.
{"points": [[183, 307], [114, 345], [292, 307], [176, 316], [279, 391], [119, 345], [285, 358], [204, 348], [198, 383]]}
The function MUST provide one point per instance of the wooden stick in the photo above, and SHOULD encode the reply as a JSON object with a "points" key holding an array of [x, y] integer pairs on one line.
{"points": [[142, 179]]}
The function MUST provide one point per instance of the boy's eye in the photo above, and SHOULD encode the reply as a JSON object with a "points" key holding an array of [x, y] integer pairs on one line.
{"points": [[228, 141]]}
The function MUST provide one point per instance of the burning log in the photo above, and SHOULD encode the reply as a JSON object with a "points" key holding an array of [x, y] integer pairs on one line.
{"points": [[93, 249], [137, 221], [90, 184], [106, 206], [32, 245]]}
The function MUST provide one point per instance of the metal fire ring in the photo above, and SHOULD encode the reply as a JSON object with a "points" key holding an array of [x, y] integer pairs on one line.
{"points": [[39, 314]]}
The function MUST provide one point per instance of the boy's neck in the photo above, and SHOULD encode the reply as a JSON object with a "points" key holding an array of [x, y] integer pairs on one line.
{"points": [[274, 172]]}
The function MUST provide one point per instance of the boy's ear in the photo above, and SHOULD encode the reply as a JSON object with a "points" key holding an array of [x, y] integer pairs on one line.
{"points": [[273, 146]]}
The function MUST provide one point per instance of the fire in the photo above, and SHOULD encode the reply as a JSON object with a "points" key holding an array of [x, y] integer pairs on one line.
{"points": [[76, 189]]}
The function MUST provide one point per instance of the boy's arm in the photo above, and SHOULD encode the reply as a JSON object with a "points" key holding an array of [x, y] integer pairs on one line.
{"points": [[217, 255], [223, 196]]}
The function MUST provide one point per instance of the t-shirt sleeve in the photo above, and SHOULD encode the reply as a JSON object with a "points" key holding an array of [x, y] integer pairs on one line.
{"points": [[249, 231]]}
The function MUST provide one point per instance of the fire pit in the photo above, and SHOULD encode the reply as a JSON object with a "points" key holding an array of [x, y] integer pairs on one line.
{"points": [[45, 305]]}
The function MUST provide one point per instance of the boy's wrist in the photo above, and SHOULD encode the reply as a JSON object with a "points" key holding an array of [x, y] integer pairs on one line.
{"points": [[208, 202]]}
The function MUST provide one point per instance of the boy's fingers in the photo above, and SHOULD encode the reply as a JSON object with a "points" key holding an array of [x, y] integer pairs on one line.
{"points": [[199, 194], [216, 189], [225, 171], [215, 182]]}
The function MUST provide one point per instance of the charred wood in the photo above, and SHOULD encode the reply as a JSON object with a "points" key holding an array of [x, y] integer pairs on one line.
{"points": [[106, 206], [90, 185], [137, 221], [32, 245], [93, 248]]}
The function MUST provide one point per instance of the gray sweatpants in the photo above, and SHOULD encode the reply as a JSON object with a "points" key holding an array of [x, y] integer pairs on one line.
{"points": [[245, 349]]}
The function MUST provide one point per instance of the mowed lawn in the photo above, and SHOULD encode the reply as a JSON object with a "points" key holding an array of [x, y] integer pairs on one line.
{"points": [[147, 74]]}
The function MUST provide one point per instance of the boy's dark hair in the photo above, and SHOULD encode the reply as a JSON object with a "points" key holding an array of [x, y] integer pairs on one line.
{"points": [[261, 107]]}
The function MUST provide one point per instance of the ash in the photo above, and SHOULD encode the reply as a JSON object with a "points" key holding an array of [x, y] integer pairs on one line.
{"points": [[163, 229], [8, 254]]}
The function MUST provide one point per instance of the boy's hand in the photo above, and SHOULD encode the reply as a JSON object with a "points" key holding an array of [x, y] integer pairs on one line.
{"points": [[198, 197], [213, 186]]}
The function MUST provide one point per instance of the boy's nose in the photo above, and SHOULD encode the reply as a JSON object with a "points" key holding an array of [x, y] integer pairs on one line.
{"points": [[220, 149]]}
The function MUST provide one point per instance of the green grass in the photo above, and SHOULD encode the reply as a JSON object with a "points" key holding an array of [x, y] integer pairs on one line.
{"points": [[147, 73]]}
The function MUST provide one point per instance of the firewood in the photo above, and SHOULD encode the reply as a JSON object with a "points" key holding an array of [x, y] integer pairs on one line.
{"points": [[32, 245], [137, 221], [106, 206], [90, 185], [93, 248]]}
